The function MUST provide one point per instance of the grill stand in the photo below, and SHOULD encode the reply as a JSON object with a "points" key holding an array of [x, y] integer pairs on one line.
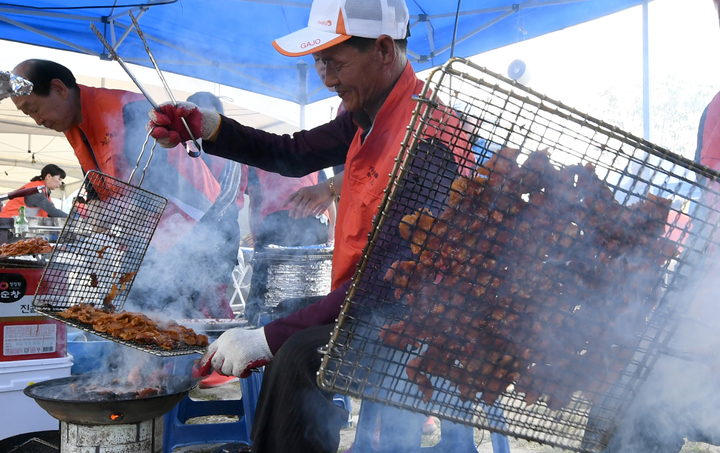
{"points": [[141, 437]]}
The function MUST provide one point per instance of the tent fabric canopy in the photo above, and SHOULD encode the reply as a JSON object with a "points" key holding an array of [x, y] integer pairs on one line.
{"points": [[229, 42]]}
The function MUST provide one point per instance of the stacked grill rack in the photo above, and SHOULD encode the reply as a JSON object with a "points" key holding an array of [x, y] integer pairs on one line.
{"points": [[523, 271], [99, 252]]}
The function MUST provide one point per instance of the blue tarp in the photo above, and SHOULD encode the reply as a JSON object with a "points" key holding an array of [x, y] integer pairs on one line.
{"points": [[228, 41]]}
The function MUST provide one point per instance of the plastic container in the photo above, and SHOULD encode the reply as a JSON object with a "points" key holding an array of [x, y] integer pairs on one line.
{"points": [[91, 356], [21, 414], [25, 335]]}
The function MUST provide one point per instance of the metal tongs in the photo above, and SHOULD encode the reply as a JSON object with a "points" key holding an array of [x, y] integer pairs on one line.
{"points": [[21, 193], [116, 57]]}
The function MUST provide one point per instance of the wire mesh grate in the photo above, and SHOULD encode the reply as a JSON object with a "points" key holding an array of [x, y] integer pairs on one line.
{"points": [[99, 251], [522, 271]]}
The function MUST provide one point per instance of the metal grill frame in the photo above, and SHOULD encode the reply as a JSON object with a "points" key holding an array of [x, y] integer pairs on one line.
{"points": [[350, 344], [104, 238]]}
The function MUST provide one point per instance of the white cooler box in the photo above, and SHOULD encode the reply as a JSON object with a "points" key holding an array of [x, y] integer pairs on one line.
{"points": [[21, 414]]}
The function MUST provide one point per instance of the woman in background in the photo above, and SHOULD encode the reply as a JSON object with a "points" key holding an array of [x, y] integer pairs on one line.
{"points": [[38, 204]]}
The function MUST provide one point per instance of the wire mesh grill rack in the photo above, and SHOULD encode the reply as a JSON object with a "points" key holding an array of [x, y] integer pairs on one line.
{"points": [[99, 251], [149, 348], [521, 274]]}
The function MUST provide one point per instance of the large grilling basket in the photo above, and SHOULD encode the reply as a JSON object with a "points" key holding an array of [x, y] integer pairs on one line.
{"points": [[99, 251], [519, 294]]}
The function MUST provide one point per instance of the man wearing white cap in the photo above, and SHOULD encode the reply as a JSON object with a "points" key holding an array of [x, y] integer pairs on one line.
{"points": [[364, 46]]}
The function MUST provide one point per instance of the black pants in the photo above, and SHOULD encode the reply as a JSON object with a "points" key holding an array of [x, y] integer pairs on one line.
{"points": [[293, 414]]}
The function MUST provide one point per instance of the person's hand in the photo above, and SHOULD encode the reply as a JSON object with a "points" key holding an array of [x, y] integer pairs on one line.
{"points": [[311, 200], [168, 129], [237, 351]]}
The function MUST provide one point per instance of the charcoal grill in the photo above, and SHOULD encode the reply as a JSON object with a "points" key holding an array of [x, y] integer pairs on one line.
{"points": [[99, 252], [540, 283], [71, 399]]}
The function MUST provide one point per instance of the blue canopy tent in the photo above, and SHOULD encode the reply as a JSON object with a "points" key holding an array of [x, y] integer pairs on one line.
{"points": [[228, 42]]}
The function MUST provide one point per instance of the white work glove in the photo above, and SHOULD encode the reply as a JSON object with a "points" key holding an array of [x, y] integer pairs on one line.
{"points": [[237, 351], [167, 128]]}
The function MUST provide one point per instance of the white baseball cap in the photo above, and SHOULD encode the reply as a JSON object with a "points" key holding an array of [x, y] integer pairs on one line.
{"points": [[334, 21]]}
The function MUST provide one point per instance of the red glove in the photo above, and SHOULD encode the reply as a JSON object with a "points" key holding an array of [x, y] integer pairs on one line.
{"points": [[168, 129]]}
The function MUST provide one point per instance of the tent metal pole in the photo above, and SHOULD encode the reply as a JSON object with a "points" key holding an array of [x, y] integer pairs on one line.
{"points": [[457, 19], [646, 72], [125, 13], [302, 96], [499, 9], [203, 61], [431, 37], [127, 30], [48, 35], [282, 3], [475, 31], [40, 13]]}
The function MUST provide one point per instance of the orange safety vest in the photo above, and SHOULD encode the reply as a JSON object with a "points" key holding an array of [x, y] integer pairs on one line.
{"points": [[367, 172], [104, 128], [12, 207]]}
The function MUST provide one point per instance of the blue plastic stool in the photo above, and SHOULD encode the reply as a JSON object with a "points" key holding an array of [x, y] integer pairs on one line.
{"points": [[178, 434], [401, 432]]}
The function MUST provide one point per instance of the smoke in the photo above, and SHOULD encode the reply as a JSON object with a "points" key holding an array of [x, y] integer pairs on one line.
{"points": [[681, 397], [188, 280], [187, 268], [115, 368]]}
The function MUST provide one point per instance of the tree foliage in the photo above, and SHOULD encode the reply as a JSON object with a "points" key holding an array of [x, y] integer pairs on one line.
{"points": [[675, 111]]}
